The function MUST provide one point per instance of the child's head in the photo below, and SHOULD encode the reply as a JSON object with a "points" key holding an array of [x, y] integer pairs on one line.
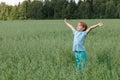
{"points": [[81, 26]]}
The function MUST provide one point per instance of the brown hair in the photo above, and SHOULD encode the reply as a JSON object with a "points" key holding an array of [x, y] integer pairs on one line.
{"points": [[84, 25]]}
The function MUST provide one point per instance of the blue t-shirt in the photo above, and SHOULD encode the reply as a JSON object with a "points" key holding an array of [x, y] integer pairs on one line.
{"points": [[79, 39]]}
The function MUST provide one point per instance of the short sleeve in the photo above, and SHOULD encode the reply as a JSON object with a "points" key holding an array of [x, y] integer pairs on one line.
{"points": [[74, 31], [85, 33]]}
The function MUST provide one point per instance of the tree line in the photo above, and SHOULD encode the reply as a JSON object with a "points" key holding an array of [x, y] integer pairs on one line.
{"points": [[60, 9]]}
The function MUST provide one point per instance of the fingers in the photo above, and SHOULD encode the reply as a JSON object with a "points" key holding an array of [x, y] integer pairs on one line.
{"points": [[65, 20]]}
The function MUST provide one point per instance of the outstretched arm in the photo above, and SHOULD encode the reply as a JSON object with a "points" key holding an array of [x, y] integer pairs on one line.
{"points": [[94, 26], [69, 25]]}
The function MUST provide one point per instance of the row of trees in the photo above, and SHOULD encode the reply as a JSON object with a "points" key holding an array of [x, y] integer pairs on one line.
{"points": [[59, 9]]}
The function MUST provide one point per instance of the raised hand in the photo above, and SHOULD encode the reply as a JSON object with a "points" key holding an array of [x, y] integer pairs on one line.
{"points": [[65, 20], [100, 24]]}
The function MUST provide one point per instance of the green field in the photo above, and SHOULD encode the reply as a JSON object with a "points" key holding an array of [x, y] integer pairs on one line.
{"points": [[42, 50]]}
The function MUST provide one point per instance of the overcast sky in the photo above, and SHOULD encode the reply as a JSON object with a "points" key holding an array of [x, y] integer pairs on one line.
{"points": [[15, 2]]}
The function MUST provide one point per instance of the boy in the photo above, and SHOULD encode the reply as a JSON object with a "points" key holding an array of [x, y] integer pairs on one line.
{"points": [[78, 43]]}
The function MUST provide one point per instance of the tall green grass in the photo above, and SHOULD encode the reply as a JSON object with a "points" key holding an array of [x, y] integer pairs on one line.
{"points": [[42, 50]]}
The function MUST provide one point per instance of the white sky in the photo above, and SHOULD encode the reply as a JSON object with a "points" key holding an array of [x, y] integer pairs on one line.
{"points": [[15, 2], [11, 2]]}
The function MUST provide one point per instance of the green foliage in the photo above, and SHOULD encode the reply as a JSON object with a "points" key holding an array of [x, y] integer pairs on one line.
{"points": [[36, 10], [118, 11], [42, 50], [110, 9], [59, 9]]}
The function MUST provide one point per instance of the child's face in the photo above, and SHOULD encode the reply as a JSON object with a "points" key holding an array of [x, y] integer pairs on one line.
{"points": [[80, 27]]}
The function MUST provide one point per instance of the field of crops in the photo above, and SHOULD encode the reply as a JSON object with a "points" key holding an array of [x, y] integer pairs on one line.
{"points": [[42, 50]]}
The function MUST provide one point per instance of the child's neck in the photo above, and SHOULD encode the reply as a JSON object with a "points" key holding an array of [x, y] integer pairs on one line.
{"points": [[80, 30]]}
